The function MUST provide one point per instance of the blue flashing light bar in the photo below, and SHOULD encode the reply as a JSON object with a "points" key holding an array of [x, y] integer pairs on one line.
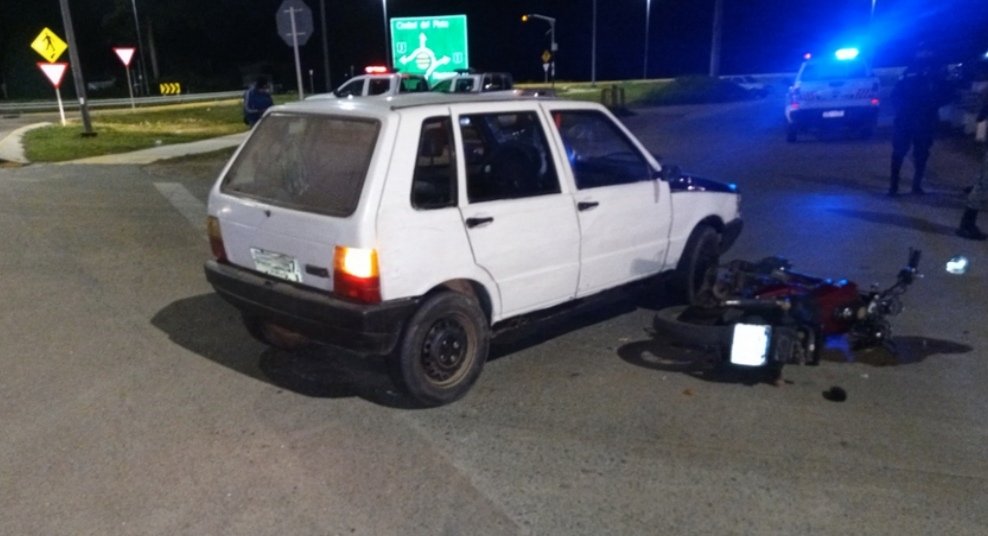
{"points": [[847, 53]]}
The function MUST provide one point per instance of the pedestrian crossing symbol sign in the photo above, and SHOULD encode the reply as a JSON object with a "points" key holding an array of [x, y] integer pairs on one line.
{"points": [[49, 45]]}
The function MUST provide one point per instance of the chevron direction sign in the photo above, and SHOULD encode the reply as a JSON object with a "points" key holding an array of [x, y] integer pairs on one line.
{"points": [[170, 88]]}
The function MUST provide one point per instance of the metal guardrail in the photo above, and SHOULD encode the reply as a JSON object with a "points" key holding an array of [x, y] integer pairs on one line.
{"points": [[52, 106]]}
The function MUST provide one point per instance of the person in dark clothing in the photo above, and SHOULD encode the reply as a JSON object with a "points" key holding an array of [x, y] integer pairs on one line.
{"points": [[917, 98], [257, 98], [977, 198]]}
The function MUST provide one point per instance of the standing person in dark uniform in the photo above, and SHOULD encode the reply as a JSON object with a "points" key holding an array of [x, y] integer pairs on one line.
{"points": [[257, 98], [917, 98], [977, 199]]}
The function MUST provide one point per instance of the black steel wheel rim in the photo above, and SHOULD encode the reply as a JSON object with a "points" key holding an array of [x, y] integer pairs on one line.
{"points": [[445, 351]]}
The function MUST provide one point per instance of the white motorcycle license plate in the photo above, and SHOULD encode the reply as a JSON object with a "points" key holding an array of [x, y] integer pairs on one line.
{"points": [[276, 264], [751, 344]]}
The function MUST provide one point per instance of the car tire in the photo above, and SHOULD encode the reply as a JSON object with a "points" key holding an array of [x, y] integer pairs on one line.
{"points": [[791, 133], [442, 350], [697, 268], [866, 133]]}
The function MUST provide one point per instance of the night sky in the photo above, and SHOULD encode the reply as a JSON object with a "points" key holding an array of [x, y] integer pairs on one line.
{"points": [[215, 44]]}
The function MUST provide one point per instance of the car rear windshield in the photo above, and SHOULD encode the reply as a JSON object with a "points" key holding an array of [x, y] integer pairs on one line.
{"points": [[833, 70], [307, 162]]}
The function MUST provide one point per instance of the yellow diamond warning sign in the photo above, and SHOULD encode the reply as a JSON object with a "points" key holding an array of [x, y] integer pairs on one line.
{"points": [[49, 45]]}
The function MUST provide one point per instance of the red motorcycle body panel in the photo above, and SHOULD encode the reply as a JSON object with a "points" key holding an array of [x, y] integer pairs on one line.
{"points": [[829, 298]]}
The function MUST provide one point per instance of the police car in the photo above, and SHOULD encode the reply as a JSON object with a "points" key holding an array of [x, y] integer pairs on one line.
{"points": [[838, 91], [378, 82], [465, 81]]}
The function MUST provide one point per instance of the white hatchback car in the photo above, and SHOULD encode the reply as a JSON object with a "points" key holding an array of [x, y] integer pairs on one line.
{"points": [[415, 227]]}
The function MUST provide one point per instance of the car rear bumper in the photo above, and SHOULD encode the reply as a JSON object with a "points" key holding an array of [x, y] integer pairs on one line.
{"points": [[853, 116], [371, 329]]}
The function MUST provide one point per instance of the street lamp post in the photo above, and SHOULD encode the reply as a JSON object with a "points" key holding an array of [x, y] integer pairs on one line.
{"points": [[80, 84], [593, 47], [715, 40], [387, 42], [648, 18], [552, 39], [140, 47]]}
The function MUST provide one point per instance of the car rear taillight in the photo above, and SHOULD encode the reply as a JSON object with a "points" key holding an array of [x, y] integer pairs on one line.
{"points": [[215, 238], [794, 97], [874, 102], [356, 275]]}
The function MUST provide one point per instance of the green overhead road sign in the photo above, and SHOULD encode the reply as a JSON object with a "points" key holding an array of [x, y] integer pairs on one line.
{"points": [[429, 45]]}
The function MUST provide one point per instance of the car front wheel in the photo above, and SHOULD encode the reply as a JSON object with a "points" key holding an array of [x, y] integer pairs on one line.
{"points": [[443, 349], [696, 272]]}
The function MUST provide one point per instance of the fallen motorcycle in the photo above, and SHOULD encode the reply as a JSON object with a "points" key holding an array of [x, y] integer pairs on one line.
{"points": [[763, 313]]}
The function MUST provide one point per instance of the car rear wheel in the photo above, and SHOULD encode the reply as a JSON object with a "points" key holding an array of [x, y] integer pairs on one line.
{"points": [[443, 349]]}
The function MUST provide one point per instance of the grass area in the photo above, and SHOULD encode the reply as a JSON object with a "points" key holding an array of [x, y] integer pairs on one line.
{"points": [[126, 130]]}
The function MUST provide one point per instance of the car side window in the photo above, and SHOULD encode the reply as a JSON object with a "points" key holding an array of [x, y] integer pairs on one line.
{"points": [[507, 157], [434, 181], [598, 152], [412, 85], [353, 87], [378, 86]]}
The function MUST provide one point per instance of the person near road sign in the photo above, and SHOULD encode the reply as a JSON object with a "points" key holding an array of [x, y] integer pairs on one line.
{"points": [[257, 99], [977, 198]]}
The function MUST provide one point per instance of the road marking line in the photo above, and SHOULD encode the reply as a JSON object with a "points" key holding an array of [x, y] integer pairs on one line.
{"points": [[186, 203]]}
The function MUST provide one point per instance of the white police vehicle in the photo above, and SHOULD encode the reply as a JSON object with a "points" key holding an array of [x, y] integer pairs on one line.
{"points": [[465, 81], [378, 82], [415, 227], [837, 91]]}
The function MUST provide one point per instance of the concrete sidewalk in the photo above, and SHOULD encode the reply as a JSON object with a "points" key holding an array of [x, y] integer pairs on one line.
{"points": [[12, 150]]}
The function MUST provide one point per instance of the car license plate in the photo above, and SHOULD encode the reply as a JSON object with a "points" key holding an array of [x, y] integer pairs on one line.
{"points": [[276, 264], [830, 114]]}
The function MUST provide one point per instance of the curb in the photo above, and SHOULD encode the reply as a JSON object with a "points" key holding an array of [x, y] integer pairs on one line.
{"points": [[164, 152], [11, 149]]}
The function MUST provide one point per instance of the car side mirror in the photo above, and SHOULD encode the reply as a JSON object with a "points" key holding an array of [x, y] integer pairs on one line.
{"points": [[670, 172]]}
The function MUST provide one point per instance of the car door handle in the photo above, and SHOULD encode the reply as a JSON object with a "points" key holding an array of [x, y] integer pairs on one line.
{"points": [[474, 222], [586, 205]]}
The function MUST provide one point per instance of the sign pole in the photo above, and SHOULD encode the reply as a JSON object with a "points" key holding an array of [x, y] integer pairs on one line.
{"points": [[298, 63], [130, 87], [126, 54], [294, 20], [61, 109]]}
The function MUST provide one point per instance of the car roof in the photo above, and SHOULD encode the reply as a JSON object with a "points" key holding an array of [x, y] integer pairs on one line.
{"points": [[384, 106]]}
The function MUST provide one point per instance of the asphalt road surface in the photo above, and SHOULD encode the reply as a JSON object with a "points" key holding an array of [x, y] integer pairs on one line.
{"points": [[133, 402]]}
